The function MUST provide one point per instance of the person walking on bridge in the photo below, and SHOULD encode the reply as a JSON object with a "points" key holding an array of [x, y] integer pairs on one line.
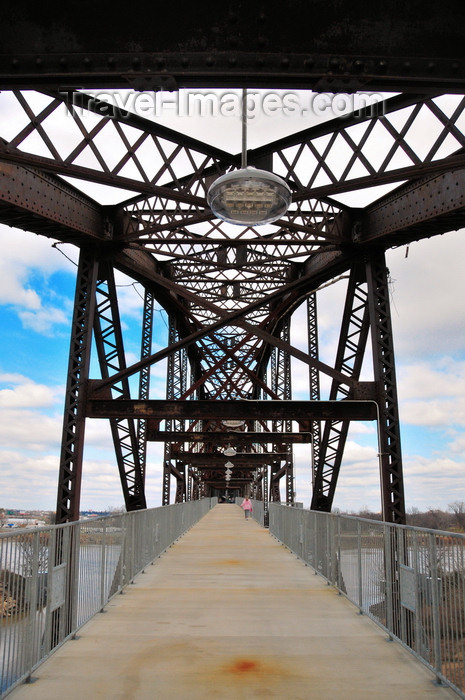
{"points": [[246, 505]]}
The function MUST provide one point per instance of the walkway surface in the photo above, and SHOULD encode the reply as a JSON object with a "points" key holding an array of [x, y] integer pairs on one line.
{"points": [[228, 612]]}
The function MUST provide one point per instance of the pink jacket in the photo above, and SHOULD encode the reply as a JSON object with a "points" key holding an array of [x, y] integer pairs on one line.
{"points": [[246, 504]]}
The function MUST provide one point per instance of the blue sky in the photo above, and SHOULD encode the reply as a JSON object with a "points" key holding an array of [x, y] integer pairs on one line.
{"points": [[428, 315]]}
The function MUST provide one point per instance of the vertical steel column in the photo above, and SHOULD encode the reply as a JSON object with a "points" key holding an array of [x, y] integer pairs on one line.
{"points": [[144, 377], [351, 350], [260, 494], [275, 494], [314, 376], [392, 483], [266, 510], [169, 395], [282, 387], [176, 384], [72, 445], [110, 350]]}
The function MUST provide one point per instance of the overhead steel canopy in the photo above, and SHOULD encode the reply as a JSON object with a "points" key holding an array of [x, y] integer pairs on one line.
{"points": [[313, 45], [386, 172]]}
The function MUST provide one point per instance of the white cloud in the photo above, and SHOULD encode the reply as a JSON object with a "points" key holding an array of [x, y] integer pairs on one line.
{"points": [[30, 431], [433, 393], [28, 481], [22, 392], [433, 482], [43, 320], [26, 264], [130, 296], [428, 288], [457, 446], [23, 251], [434, 413], [426, 379]]}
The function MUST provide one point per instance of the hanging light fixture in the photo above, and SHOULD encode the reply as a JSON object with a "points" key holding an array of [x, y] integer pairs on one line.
{"points": [[229, 451], [233, 424], [248, 196]]}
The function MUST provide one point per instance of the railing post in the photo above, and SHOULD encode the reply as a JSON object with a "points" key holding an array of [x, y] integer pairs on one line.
{"points": [[103, 551], [359, 565], [124, 545], [435, 602], [333, 550], [31, 597], [388, 580], [74, 543]]}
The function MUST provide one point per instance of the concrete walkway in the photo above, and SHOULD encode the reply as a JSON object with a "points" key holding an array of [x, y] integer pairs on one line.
{"points": [[227, 612]]}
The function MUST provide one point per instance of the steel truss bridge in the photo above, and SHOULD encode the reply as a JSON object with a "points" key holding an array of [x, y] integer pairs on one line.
{"points": [[230, 292]]}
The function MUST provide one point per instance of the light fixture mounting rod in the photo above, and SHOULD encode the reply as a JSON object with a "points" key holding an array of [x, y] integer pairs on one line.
{"points": [[244, 128]]}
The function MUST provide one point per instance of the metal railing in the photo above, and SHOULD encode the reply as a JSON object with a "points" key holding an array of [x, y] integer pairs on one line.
{"points": [[54, 579], [259, 512], [410, 581]]}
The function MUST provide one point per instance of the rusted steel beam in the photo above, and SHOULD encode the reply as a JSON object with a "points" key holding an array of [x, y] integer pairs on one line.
{"points": [[244, 410], [416, 210], [278, 475], [217, 460], [123, 262], [224, 438], [218, 483], [54, 209], [334, 70], [29, 160]]}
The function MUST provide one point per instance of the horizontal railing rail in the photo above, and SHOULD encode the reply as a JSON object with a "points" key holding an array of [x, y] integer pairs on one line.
{"points": [[410, 581], [54, 579]]}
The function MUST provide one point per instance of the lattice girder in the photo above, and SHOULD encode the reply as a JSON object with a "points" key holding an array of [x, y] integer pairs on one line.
{"points": [[229, 289]]}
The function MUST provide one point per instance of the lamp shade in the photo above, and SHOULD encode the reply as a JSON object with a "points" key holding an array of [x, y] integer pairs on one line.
{"points": [[249, 197], [233, 424]]}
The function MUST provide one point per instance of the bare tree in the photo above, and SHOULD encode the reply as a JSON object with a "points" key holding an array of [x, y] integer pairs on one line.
{"points": [[458, 509]]}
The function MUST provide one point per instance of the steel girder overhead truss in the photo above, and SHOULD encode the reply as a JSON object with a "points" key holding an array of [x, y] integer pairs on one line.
{"points": [[230, 292]]}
